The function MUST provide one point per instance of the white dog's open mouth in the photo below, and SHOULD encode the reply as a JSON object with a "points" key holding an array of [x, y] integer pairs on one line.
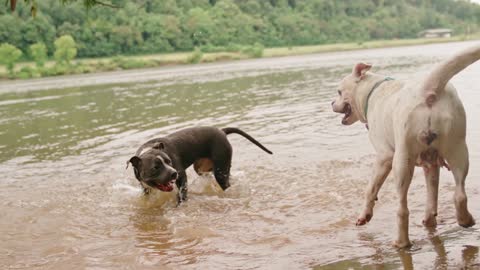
{"points": [[347, 110]]}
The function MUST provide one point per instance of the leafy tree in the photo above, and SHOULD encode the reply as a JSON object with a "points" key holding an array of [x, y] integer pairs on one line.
{"points": [[189, 4], [160, 32], [68, 28], [35, 30], [97, 39], [163, 7], [38, 51], [65, 49], [59, 13], [226, 30], [155, 26], [9, 55], [199, 26], [86, 3], [249, 6], [10, 30]]}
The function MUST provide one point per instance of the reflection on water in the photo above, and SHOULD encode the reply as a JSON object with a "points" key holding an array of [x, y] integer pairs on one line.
{"points": [[436, 257], [67, 201]]}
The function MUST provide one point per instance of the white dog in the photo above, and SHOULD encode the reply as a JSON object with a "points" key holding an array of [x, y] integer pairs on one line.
{"points": [[411, 123]]}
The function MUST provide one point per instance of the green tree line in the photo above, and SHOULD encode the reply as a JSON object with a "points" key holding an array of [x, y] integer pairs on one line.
{"points": [[154, 26]]}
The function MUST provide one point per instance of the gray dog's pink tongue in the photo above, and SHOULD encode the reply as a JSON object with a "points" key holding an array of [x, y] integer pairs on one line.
{"points": [[165, 188]]}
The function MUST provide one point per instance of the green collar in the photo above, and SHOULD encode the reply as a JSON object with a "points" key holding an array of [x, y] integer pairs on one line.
{"points": [[377, 84]]}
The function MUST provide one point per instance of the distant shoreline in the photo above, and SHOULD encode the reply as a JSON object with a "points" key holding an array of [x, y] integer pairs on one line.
{"points": [[118, 63], [374, 44]]}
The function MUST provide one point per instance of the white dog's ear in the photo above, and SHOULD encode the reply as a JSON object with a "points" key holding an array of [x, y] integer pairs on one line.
{"points": [[360, 69]]}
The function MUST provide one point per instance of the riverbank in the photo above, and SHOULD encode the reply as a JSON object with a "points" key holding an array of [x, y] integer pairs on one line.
{"points": [[167, 75], [27, 70]]}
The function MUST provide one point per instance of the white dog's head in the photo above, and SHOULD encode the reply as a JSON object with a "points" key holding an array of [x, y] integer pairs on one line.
{"points": [[346, 102]]}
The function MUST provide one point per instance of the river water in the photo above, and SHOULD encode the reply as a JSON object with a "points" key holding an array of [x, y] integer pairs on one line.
{"points": [[67, 202]]}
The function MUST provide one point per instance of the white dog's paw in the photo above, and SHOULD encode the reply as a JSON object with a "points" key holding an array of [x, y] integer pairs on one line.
{"points": [[430, 222], [364, 218], [466, 221], [402, 244]]}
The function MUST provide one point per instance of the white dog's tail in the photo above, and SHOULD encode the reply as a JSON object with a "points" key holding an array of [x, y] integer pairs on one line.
{"points": [[439, 77]]}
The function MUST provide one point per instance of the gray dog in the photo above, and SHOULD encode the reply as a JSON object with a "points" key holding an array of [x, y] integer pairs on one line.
{"points": [[161, 162]]}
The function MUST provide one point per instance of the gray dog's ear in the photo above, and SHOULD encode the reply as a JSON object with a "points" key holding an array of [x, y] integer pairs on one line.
{"points": [[158, 145], [360, 69], [135, 161]]}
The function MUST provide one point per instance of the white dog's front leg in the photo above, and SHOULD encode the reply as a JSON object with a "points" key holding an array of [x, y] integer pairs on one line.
{"points": [[431, 178], [383, 166], [403, 167]]}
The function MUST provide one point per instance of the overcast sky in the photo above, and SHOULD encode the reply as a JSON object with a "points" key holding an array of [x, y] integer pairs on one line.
{"points": [[476, 1]]}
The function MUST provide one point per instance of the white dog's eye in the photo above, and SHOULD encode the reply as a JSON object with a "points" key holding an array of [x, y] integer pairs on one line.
{"points": [[168, 161], [339, 92]]}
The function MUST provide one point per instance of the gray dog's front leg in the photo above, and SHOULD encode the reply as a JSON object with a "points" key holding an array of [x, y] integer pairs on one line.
{"points": [[182, 187]]}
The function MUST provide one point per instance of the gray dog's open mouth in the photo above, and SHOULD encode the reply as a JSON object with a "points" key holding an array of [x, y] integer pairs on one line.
{"points": [[347, 110], [166, 187]]}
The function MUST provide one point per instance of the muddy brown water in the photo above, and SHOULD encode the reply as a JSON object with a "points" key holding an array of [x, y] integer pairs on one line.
{"points": [[67, 202]]}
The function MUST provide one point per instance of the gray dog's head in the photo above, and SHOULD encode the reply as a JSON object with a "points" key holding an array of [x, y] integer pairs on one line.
{"points": [[153, 168]]}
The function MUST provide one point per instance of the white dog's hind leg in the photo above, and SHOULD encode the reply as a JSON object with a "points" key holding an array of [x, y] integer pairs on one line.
{"points": [[383, 166], [458, 161], [431, 178], [403, 166]]}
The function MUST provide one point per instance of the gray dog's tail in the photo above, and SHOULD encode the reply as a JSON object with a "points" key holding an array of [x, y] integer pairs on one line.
{"points": [[229, 130], [441, 74]]}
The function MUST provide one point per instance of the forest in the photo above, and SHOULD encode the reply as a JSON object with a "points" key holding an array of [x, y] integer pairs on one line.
{"points": [[152, 26]]}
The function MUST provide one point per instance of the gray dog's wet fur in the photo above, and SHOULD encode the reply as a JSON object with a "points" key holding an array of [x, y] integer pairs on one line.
{"points": [[160, 161]]}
